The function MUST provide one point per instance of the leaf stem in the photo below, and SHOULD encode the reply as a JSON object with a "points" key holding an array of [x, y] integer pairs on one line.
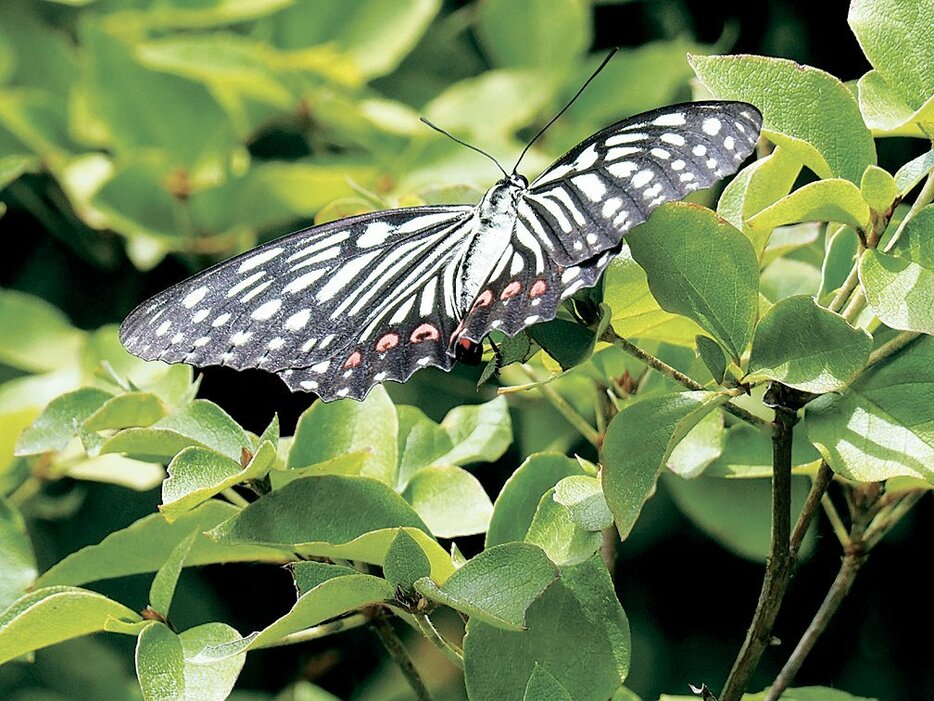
{"points": [[905, 338], [838, 591], [779, 565], [846, 289], [661, 366], [319, 631], [566, 410], [835, 521], [234, 498], [26, 490], [449, 650], [924, 198], [815, 495], [400, 656]]}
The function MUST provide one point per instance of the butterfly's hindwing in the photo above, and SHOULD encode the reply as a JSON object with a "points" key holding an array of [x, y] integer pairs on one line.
{"points": [[305, 298], [589, 198]]}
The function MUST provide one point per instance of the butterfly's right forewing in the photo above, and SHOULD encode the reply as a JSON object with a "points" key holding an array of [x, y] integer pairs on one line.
{"points": [[589, 198]]}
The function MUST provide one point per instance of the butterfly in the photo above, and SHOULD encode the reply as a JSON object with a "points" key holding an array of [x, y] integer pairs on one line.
{"points": [[337, 308]]}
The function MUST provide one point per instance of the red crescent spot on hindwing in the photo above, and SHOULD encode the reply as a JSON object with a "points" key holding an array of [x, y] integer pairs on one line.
{"points": [[485, 299], [425, 332], [539, 288], [354, 360], [511, 290], [390, 340], [466, 343]]}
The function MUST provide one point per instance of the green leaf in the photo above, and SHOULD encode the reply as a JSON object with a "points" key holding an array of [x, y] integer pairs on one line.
{"points": [[841, 250], [60, 421], [897, 39], [577, 618], [373, 35], [699, 448], [886, 111], [421, 442], [786, 277], [405, 562], [833, 200], [878, 188], [638, 443], [116, 469], [50, 615], [450, 501], [583, 497], [806, 110], [308, 574], [636, 313], [554, 33], [555, 532], [712, 355], [197, 474], [699, 266], [332, 597], [352, 518], [19, 563], [496, 95], [497, 586], [543, 686], [146, 544], [479, 432], [34, 335], [747, 452], [756, 187], [162, 590], [124, 410], [518, 500], [900, 287], [169, 666], [569, 343], [200, 423], [329, 430], [913, 172], [349, 465], [735, 512], [883, 424], [807, 347]]}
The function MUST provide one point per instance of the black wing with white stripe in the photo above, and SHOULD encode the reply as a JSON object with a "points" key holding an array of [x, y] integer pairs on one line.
{"points": [[358, 287], [589, 198]]}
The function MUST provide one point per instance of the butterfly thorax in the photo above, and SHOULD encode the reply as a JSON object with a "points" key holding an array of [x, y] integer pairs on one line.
{"points": [[495, 218]]}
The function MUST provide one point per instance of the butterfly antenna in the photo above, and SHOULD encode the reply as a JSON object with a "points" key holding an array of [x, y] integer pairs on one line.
{"points": [[464, 143], [565, 108]]}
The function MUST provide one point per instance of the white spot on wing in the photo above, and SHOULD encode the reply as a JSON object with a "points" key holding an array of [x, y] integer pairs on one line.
{"points": [[200, 315], [276, 343], [344, 275], [203, 341], [729, 143], [259, 259], [591, 185], [194, 297], [321, 367], [711, 126], [243, 284], [255, 291], [308, 384], [221, 320], [297, 321], [678, 165], [163, 327], [610, 207], [241, 337], [570, 273], [625, 138], [305, 280], [616, 153], [623, 169], [375, 234], [427, 302], [699, 150], [517, 264], [673, 119], [266, 310], [403, 311], [321, 245], [642, 178], [309, 344], [661, 153], [673, 139]]}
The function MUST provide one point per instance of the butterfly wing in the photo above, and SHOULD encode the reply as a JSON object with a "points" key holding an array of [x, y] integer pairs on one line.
{"points": [[589, 198], [305, 299]]}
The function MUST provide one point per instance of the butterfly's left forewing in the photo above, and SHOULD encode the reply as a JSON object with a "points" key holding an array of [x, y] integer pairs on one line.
{"points": [[589, 198], [370, 296]]}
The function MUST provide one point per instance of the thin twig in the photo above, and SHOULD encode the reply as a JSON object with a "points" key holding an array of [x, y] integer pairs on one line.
{"points": [[887, 520], [566, 410], [838, 591], [903, 339], [924, 198], [678, 376], [818, 488], [234, 498], [846, 289], [778, 566], [400, 656], [448, 649], [319, 631], [835, 521]]}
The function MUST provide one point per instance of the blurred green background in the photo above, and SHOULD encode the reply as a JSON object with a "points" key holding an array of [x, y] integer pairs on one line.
{"points": [[142, 140]]}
